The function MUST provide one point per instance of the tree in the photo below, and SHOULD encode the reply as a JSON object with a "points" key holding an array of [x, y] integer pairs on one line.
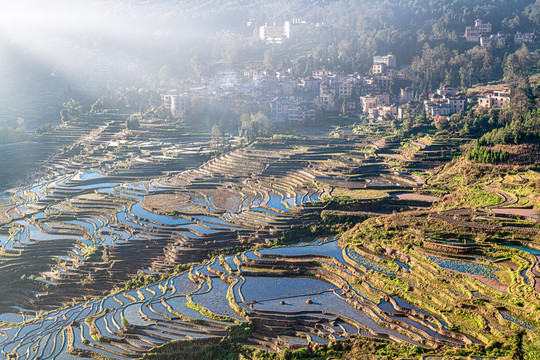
{"points": [[97, 107], [533, 12], [521, 101], [440, 122], [407, 123], [43, 129], [252, 124], [510, 67], [271, 58], [72, 111], [217, 134], [132, 123], [340, 105], [517, 346], [511, 23], [523, 58]]}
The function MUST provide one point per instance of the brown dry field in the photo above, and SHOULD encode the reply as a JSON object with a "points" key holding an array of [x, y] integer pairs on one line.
{"points": [[226, 199]]}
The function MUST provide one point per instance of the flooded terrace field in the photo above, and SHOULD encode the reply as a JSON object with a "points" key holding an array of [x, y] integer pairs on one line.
{"points": [[283, 288], [87, 227]]}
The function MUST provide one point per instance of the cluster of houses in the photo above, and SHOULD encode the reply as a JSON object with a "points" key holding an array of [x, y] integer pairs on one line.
{"points": [[480, 33], [291, 99], [297, 100], [446, 101]]}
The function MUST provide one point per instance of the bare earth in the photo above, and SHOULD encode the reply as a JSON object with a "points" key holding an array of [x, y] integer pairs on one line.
{"points": [[418, 197], [530, 213], [226, 199]]}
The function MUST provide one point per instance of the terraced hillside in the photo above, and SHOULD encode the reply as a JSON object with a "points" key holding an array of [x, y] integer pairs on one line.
{"points": [[89, 220], [113, 210], [309, 293]]}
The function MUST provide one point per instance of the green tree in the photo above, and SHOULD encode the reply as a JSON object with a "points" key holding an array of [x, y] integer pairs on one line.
{"points": [[72, 111], [132, 123], [517, 346], [252, 124], [218, 137]]}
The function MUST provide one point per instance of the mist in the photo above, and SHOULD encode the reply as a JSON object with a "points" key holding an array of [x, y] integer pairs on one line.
{"points": [[61, 48]]}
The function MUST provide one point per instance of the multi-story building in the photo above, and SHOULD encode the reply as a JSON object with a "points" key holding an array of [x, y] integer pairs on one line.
{"points": [[278, 110], [311, 83], [377, 84], [378, 68], [446, 90], [436, 108], [350, 105], [275, 34], [373, 105], [323, 74], [369, 103], [327, 100], [309, 113], [407, 94], [495, 98], [445, 102], [177, 103], [389, 60], [474, 33], [405, 109], [287, 86], [292, 111], [294, 114], [345, 90], [457, 103], [497, 40], [520, 38], [327, 95], [388, 110]]}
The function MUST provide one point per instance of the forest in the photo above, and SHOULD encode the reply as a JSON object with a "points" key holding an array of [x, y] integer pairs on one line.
{"points": [[344, 35]]}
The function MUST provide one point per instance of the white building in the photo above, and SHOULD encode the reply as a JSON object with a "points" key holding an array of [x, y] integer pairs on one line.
{"points": [[177, 103], [389, 60], [445, 102], [274, 34]]}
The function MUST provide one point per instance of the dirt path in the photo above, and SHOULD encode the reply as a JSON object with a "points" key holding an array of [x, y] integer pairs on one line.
{"points": [[509, 199], [528, 213]]}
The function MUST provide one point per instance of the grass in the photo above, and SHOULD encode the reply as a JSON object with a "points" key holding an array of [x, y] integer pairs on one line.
{"points": [[466, 183], [429, 288], [360, 194], [207, 313], [469, 197], [229, 349]]}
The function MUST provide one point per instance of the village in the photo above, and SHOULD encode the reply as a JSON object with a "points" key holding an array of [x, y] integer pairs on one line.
{"points": [[382, 94]]}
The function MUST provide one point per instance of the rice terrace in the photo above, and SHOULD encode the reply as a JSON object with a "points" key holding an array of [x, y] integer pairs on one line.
{"points": [[271, 192]]}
